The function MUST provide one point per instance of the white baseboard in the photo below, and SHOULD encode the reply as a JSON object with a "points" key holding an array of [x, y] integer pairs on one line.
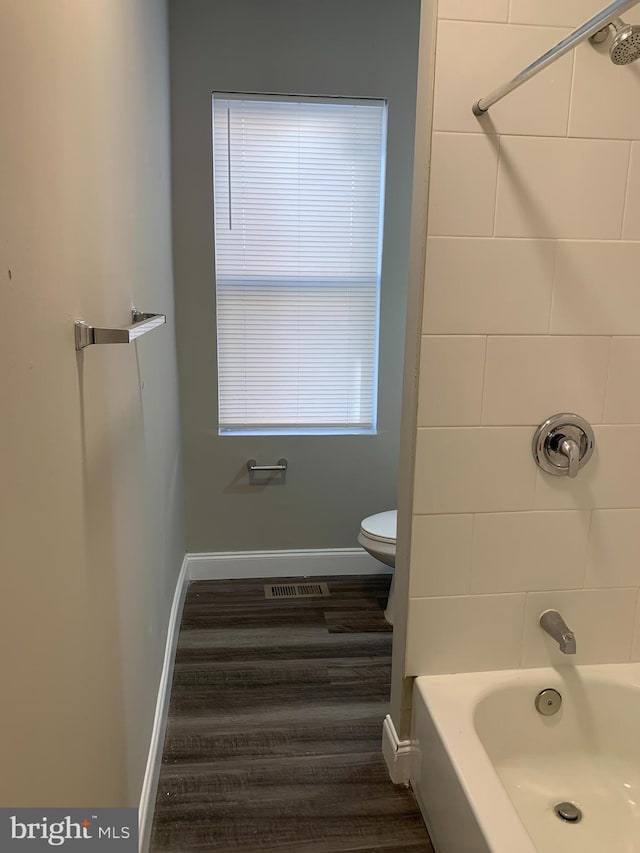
{"points": [[397, 753], [230, 565], [152, 772]]}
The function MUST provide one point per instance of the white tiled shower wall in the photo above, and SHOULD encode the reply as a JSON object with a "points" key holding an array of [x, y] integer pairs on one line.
{"points": [[532, 307]]}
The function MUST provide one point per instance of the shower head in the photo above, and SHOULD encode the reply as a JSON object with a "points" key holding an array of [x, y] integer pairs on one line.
{"points": [[625, 47]]}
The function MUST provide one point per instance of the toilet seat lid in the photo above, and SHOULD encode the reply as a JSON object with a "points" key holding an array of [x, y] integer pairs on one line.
{"points": [[381, 527]]}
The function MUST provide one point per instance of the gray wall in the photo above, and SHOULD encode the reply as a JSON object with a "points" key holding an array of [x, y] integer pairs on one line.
{"points": [[364, 48], [91, 530]]}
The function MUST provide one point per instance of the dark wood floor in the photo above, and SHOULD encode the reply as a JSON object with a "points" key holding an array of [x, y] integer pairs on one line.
{"points": [[275, 724]]}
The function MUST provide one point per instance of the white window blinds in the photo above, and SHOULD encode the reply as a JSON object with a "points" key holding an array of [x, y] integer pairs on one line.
{"points": [[298, 197]]}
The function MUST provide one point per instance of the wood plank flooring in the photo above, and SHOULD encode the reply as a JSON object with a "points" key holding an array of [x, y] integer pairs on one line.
{"points": [[275, 724]]}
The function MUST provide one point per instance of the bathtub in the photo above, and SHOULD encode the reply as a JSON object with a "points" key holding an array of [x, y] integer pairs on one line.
{"points": [[488, 768]]}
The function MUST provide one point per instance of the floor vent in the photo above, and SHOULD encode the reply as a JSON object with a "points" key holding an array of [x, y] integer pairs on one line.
{"points": [[296, 590]]}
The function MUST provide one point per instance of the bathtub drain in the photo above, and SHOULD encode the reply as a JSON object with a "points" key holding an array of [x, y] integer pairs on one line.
{"points": [[568, 812], [548, 702]]}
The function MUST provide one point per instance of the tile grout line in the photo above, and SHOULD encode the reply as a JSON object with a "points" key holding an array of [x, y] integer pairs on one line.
{"points": [[573, 74], [553, 335], [523, 627], [538, 510], [519, 426], [537, 136], [607, 380], [586, 553], [553, 286], [626, 192], [484, 379], [536, 479], [472, 555], [636, 624], [528, 239], [532, 592], [497, 187], [568, 28]]}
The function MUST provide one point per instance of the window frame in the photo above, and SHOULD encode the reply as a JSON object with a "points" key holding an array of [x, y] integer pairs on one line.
{"points": [[302, 430]]}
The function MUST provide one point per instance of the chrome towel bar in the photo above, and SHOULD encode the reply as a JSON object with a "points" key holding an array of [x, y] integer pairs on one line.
{"points": [[583, 32], [252, 466], [141, 323]]}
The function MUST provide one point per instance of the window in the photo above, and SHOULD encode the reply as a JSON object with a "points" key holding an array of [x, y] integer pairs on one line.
{"points": [[298, 198]]}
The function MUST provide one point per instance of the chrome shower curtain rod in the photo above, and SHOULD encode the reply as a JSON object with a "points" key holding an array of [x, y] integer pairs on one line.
{"points": [[585, 31]]}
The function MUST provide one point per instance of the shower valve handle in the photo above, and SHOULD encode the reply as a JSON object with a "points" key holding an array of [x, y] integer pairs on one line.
{"points": [[571, 449], [563, 444]]}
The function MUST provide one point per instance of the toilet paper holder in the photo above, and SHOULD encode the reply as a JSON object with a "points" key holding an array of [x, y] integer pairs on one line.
{"points": [[280, 466]]}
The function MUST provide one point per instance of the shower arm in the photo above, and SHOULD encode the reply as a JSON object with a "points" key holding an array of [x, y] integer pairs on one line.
{"points": [[583, 32]]}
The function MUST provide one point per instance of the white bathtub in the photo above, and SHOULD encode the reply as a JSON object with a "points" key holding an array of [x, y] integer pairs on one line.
{"points": [[488, 768]]}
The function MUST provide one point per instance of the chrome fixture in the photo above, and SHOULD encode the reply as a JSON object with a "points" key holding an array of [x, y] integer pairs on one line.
{"points": [[252, 466], [625, 47], [274, 475], [563, 444], [555, 626], [141, 323], [590, 28], [568, 812], [548, 702]]}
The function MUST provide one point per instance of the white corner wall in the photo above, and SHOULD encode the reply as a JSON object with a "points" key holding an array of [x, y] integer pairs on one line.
{"points": [[90, 492], [531, 307]]}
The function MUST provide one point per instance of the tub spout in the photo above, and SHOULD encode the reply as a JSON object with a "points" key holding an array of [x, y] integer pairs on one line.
{"points": [[555, 626]]}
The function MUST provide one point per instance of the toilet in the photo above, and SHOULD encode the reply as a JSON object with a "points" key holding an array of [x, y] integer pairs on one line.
{"points": [[378, 537]]}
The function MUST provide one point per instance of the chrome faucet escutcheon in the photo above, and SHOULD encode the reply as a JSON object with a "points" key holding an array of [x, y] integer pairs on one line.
{"points": [[555, 626], [563, 444]]}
